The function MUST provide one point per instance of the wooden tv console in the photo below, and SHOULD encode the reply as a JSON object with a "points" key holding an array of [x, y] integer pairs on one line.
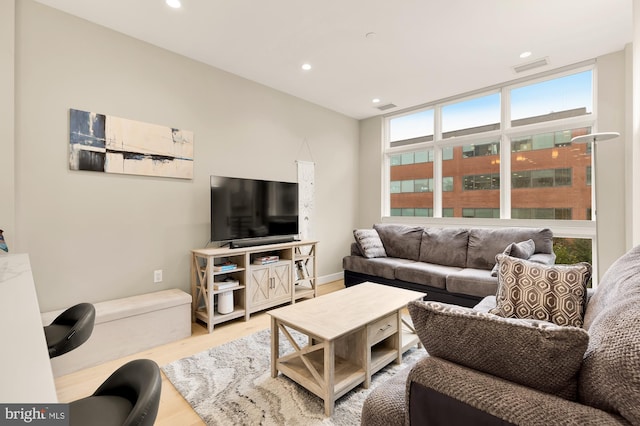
{"points": [[256, 286]]}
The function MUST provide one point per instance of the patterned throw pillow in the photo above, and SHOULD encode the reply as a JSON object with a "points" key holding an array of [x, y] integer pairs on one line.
{"points": [[369, 243], [535, 354], [555, 293], [521, 250]]}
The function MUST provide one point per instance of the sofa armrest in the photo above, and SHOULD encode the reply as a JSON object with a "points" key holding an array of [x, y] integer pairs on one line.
{"points": [[482, 396]]}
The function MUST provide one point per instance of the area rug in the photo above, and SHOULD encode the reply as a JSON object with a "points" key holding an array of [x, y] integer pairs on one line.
{"points": [[232, 385]]}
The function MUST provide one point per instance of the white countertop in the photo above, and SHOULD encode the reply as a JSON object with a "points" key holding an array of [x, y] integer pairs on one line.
{"points": [[25, 367]]}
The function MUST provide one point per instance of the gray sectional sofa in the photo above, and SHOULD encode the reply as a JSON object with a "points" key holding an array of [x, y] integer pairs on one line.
{"points": [[454, 384], [452, 265]]}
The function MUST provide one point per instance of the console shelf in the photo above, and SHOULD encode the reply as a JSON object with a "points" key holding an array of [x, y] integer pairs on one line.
{"points": [[259, 286]]}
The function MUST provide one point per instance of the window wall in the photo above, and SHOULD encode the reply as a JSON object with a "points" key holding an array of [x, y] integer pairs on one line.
{"points": [[505, 153]]}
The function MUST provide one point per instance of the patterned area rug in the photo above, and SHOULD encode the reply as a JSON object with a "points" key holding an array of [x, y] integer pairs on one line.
{"points": [[232, 385]]}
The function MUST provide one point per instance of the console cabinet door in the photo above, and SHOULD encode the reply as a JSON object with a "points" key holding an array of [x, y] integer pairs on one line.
{"points": [[281, 281], [260, 285]]}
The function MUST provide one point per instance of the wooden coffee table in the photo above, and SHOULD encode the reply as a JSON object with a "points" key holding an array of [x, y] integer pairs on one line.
{"points": [[352, 334]]}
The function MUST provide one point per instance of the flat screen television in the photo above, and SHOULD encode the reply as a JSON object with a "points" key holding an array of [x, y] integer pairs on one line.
{"points": [[248, 212]]}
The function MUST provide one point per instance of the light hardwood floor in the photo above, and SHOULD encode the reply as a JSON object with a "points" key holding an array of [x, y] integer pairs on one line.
{"points": [[174, 410]]}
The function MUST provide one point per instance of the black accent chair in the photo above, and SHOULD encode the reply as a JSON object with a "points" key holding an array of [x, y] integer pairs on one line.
{"points": [[130, 396], [70, 329]]}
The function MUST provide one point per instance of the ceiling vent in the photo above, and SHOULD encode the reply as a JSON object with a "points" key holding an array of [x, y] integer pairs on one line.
{"points": [[386, 107], [531, 65]]}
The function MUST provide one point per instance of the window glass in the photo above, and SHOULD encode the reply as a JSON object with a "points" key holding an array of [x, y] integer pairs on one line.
{"points": [[476, 115], [549, 176], [480, 213], [469, 151], [546, 140], [422, 157], [411, 126], [572, 250], [447, 183], [412, 212], [553, 99], [411, 185], [542, 213], [447, 153], [477, 169]]}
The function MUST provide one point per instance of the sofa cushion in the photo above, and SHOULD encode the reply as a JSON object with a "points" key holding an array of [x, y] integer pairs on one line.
{"points": [[486, 304], [555, 293], [369, 243], [445, 246], [536, 354], [380, 266], [425, 273], [485, 244], [401, 241], [474, 282], [522, 250], [610, 375]]}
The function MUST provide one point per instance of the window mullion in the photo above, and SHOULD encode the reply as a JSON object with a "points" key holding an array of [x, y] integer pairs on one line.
{"points": [[437, 162], [505, 154], [437, 182]]}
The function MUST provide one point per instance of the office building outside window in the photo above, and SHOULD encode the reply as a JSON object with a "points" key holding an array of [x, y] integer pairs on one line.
{"points": [[548, 176]]}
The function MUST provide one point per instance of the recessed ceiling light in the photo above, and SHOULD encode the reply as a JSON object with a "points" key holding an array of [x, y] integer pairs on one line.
{"points": [[306, 67], [525, 55], [174, 3], [375, 100]]}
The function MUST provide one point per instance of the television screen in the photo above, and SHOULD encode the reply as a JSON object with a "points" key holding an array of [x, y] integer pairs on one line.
{"points": [[251, 208]]}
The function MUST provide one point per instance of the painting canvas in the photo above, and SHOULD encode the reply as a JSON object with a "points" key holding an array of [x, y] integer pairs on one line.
{"points": [[104, 143]]}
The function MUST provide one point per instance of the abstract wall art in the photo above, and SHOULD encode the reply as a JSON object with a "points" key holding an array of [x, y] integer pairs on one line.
{"points": [[104, 143]]}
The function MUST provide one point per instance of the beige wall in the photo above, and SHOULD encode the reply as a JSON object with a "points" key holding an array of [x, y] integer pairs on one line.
{"points": [[633, 128], [93, 236], [610, 177], [610, 173], [370, 172], [7, 170]]}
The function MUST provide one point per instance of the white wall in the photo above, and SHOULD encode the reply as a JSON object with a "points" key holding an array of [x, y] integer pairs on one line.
{"points": [[611, 184], [94, 236]]}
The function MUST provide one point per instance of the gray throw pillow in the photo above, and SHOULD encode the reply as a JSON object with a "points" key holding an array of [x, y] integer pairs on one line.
{"points": [[369, 243], [521, 250], [536, 354], [554, 293]]}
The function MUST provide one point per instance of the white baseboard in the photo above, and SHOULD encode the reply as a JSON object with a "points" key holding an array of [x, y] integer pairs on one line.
{"points": [[325, 279]]}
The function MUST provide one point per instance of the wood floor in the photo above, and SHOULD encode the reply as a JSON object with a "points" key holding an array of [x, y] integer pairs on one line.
{"points": [[174, 410]]}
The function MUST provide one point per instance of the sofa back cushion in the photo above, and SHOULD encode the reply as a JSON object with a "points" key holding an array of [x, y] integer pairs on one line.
{"points": [[610, 374], [485, 244], [401, 241], [444, 246]]}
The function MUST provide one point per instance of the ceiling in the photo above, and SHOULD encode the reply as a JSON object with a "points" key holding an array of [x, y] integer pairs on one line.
{"points": [[421, 50]]}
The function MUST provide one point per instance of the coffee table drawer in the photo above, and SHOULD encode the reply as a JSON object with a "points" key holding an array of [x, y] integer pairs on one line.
{"points": [[382, 328]]}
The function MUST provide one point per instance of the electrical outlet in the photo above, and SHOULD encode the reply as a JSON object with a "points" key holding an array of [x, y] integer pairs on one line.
{"points": [[157, 276]]}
